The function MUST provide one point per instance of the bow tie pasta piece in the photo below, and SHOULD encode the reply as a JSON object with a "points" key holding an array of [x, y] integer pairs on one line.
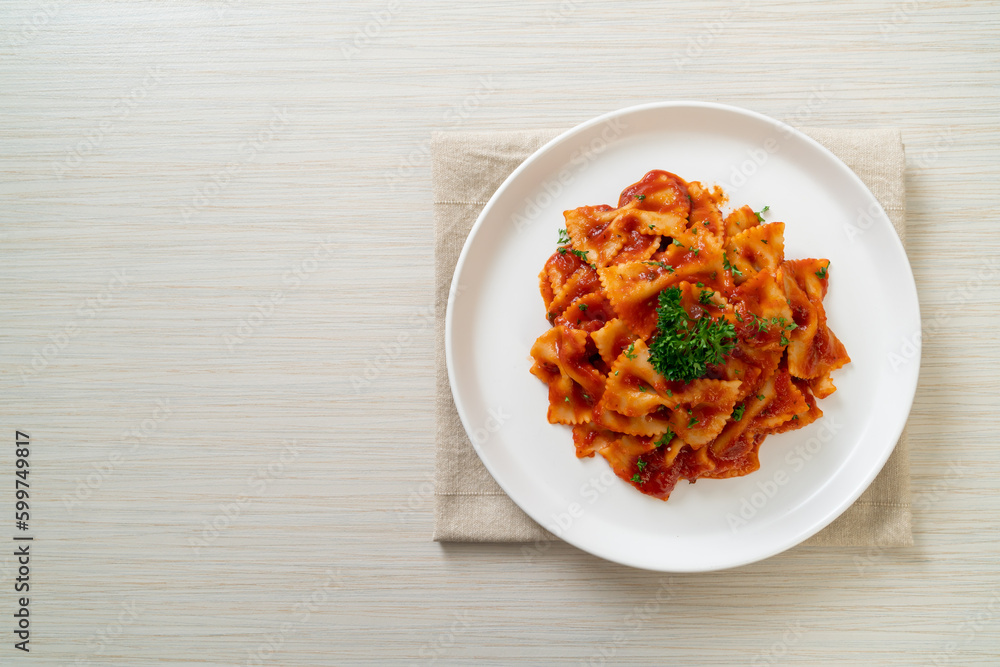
{"points": [[814, 351], [696, 411], [622, 452], [589, 312], [740, 220], [583, 282], [633, 289], [612, 339], [781, 402], [594, 234], [558, 271], [757, 249], [705, 212], [659, 192], [563, 361], [590, 439], [765, 318], [776, 399], [637, 243], [704, 411], [653, 423]]}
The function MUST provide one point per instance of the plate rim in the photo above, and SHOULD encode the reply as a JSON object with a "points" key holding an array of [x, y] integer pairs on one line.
{"points": [[910, 285]]}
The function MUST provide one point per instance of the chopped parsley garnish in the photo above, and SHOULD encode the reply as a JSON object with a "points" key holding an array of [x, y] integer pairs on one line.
{"points": [[784, 339], [682, 348], [642, 388], [692, 421], [764, 241], [641, 464], [822, 272], [760, 216], [760, 397], [665, 438], [636, 479], [582, 254], [677, 243], [795, 417], [695, 250], [630, 352], [738, 412], [564, 237], [706, 296], [562, 251], [729, 267], [582, 306], [662, 265], [640, 197], [652, 226], [566, 399], [699, 285]]}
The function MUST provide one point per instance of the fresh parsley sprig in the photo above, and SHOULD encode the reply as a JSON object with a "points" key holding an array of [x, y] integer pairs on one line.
{"points": [[582, 254], [566, 245], [682, 348], [662, 265], [729, 267], [665, 438]]}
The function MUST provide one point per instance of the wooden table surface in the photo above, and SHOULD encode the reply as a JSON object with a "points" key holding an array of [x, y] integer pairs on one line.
{"points": [[216, 224]]}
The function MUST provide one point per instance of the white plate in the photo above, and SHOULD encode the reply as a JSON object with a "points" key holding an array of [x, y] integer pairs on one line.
{"points": [[807, 477]]}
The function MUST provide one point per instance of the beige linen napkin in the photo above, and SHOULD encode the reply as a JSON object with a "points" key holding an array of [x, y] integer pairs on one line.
{"points": [[469, 505]]}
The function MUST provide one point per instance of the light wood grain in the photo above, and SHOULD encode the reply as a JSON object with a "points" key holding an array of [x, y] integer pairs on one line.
{"points": [[265, 190]]}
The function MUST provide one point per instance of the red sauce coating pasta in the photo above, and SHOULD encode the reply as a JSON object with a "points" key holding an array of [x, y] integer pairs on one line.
{"points": [[601, 290]]}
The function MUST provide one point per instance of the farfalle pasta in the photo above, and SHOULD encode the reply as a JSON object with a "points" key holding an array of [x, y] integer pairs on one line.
{"points": [[680, 338]]}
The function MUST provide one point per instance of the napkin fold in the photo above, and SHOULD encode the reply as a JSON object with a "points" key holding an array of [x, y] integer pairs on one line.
{"points": [[470, 506]]}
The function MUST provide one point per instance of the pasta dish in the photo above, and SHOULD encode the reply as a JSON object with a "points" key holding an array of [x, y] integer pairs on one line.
{"points": [[680, 338]]}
